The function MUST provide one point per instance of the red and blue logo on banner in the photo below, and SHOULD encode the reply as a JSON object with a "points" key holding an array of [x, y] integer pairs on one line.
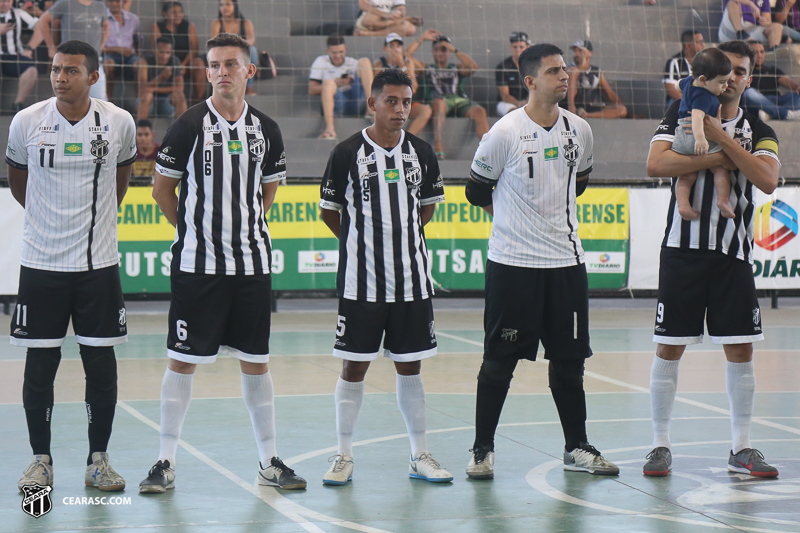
{"points": [[785, 218]]}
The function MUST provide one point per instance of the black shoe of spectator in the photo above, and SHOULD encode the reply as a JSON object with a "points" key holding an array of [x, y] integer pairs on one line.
{"points": [[742, 35]]}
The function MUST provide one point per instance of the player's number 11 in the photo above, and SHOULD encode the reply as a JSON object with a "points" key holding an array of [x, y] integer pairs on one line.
{"points": [[41, 157]]}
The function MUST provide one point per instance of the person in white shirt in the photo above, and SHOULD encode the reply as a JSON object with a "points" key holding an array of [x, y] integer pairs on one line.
{"points": [[527, 172], [342, 82]]}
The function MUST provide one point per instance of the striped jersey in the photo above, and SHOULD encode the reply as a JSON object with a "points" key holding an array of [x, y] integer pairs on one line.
{"points": [[71, 198], [11, 41], [710, 231], [221, 167], [382, 251], [533, 170], [677, 68]]}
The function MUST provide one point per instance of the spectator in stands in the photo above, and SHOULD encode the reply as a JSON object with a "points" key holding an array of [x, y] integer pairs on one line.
{"points": [[395, 57], [679, 66], [342, 82], [787, 12], [146, 150], [183, 35], [124, 36], [511, 90], [36, 8], [382, 17], [16, 61], [444, 87], [763, 96], [161, 83], [749, 19], [84, 20], [588, 85], [230, 20]]}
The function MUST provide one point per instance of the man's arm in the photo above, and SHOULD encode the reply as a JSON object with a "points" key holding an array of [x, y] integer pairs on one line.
{"points": [[662, 162], [468, 66], [609, 92], [18, 183], [365, 6], [673, 91], [426, 213], [268, 191], [314, 88], [165, 196], [104, 34], [572, 89], [123, 178], [44, 29], [789, 83], [333, 220]]}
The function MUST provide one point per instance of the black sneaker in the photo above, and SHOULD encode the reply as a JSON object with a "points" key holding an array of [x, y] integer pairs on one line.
{"points": [[279, 475], [659, 462], [160, 479]]}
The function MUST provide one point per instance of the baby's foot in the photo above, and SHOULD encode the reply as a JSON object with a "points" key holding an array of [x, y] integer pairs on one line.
{"points": [[687, 213], [725, 209]]}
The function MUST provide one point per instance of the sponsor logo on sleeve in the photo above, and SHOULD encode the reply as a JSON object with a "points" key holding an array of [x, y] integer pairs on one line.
{"points": [[483, 163], [162, 156]]}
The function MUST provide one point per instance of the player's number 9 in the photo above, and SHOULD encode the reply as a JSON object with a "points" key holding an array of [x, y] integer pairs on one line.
{"points": [[660, 313]]}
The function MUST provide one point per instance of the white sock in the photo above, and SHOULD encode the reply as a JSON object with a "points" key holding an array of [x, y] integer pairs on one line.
{"points": [[663, 386], [411, 400], [259, 397], [176, 393], [740, 380], [349, 397]]}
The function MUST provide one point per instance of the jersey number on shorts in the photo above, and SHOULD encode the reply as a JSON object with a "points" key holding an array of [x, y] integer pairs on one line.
{"points": [[180, 329], [660, 313], [340, 326], [22, 314]]}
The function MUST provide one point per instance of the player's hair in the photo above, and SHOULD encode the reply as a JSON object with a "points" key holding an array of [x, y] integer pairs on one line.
{"points": [[80, 48], [531, 59], [229, 39], [236, 13], [710, 63], [739, 48], [166, 6], [144, 123], [688, 36], [334, 40], [164, 40], [389, 76]]}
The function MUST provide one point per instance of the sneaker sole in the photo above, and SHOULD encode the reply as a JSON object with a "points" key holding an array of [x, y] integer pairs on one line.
{"points": [[750, 472], [480, 476], [432, 479], [155, 489], [569, 468], [336, 483], [266, 483], [109, 488], [656, 473]]}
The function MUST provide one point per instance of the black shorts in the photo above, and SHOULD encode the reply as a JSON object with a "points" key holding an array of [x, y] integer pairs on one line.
{"points": [[409, 328], [47, 300], [528, 305], [211, 314], [698, 284]]}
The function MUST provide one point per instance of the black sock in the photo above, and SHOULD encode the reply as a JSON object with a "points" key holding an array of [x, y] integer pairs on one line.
{"points": [[101, 420], [571, 405], [100, 367], [41, 365], [39, 429], [488, 406]]}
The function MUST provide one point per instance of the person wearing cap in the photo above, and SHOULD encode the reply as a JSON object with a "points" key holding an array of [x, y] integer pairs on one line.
{"points": [[395, 57], [587, 85], [511, 92], [444, 86]]}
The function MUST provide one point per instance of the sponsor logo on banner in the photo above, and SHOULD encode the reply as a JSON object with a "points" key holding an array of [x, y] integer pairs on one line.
{"points": [[551, 154], [785, 225], [605, 262], [317, 261]]}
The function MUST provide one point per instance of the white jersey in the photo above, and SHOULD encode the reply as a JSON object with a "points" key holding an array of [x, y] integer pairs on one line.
{"points": [[534, 172], [71, 198], [323, 69]]}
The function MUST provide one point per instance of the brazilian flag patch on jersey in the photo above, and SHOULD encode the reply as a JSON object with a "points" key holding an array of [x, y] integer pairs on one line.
{"points": [[73, 149], [551, 154], [391, 175], [235, 147]]}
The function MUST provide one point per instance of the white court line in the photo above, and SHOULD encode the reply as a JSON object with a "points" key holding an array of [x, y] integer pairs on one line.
{"points": [[269, 495]]}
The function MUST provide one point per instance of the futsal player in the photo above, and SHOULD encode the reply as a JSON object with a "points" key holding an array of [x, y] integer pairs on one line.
{"points": [[69, 162], [527, 172], [706, 265], [379, 189], [227, 158]]}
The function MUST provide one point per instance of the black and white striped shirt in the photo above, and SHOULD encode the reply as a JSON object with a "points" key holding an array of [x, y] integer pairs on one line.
{"points": [[221, 226], [382, 251], [11, 42], [71, 197], [710, 231], [677, 68]]}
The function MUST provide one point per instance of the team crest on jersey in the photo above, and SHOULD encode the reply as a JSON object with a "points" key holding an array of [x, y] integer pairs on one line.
{"points": [[257, 147], [235, 147], [571, 154], [73, 149], [413, 177], [746, 143], [36, 500], [99, 150]]}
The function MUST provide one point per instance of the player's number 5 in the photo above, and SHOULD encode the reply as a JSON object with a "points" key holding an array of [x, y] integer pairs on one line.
{"points": [[340, 326]]}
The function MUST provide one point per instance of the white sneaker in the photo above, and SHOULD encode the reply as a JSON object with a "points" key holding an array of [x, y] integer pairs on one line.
{"points": [[100, 474], [279, 475], [39, 472], [764, 116], [424, 466], [793, 115], [481, 464], [340, 472], [586, 458]]}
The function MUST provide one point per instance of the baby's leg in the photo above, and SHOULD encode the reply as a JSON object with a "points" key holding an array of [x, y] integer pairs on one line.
{"points": [[682, 190], [722, 183]]}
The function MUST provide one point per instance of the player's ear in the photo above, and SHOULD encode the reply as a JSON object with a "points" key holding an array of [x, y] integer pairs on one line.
{"points": [[251, 70], [93, 77], [529, 82], [371, 103]]}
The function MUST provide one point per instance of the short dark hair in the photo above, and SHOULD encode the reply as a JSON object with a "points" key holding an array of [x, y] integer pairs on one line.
{"points": [[169, 5], [164, 40], [688, 36], [144, 123], [80, 48], [710, 63], [334, 40], [739, 48], [229, 39], [237, 15], [389, 76], [531, 59]]}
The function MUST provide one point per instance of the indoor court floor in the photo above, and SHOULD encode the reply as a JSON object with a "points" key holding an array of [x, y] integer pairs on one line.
{"points": [[217, 460]]}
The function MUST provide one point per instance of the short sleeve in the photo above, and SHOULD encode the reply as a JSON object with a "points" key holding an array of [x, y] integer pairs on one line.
{"points": [[499, 76], [17, 147], [176, 148], [490, 158], [28, 20], [666, 129], [334, 181], [317, 73], [59, 9], [432, 188], [274, 166], [765, 141], [587, 159], [127, 142]]}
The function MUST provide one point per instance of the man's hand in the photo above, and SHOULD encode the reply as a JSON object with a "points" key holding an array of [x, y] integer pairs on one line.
{"points": [[431, 34], [27, 53], [344, 82], [165, 74], [727, 162], [5, 28]]}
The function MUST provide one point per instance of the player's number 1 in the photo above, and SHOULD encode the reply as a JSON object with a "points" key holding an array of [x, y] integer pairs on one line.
{"points": [[530, 167]]}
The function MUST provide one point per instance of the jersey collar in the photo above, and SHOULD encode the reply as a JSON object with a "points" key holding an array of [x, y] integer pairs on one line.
{"points": [[67, 123], [394, 151], [224, 121]]}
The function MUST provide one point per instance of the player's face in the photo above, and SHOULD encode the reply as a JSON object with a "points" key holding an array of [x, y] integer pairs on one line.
{"points": [[716, 85], [144, 137], [550, 83], [226, 8], [228, 71], [517, 48], [739, 80], [391, 106], [337, 53], [757, 47], [70, 78]]}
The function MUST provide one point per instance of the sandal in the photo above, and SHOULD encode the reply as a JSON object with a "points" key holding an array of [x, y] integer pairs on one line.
{"points": [[327, 135]]}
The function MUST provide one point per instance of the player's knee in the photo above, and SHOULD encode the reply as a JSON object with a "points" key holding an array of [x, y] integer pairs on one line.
{"points": [[566, 374], [40, 374], [100, 367], [497, 373]]}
